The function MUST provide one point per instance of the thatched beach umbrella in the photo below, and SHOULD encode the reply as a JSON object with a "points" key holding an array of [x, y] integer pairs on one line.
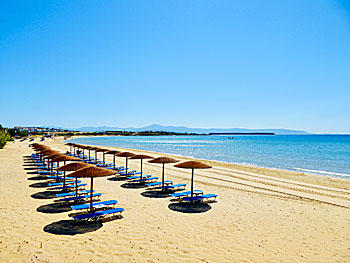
{"points": [[89, 149], [91, 172], [74, 167], [126, 155], [64, 159], [103, 151], [163, 160], [41, 148], [70, 146], [114, 152], [141, 157], [192, 165], [96, 150], [49, 154]]}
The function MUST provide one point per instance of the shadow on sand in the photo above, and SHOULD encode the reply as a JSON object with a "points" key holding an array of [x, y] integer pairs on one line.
{"points": [[155, 194], [189, 208], [54, 208], [38, 178], [29, 168], [45, 195], [69, 227], [117, 179], [35, 172], [40, 185], [133, 185]]}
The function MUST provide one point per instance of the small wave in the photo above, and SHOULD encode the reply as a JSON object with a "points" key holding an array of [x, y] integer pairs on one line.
{"points": [[322, 172]]}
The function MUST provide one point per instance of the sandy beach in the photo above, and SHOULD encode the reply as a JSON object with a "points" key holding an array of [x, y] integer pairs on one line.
{"points": [[261, 215]]}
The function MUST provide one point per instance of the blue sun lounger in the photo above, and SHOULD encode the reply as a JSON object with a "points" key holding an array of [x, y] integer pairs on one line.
{"points": [[148, 179], [83, 192], [59, 177], [68, 186], [133, 172], [200, 198], [76, 198], [67, 183], [139, 176], [95, 205], [187, 193], [174, 187], [155, 184], [98, 215], [118, 169]]}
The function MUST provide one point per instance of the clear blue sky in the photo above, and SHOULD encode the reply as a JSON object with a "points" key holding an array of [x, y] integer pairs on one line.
{"points": [[204, 63]]}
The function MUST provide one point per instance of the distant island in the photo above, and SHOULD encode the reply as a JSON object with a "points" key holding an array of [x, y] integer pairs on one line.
{"points": [[241, 133], [186, 130], [152, 130]]}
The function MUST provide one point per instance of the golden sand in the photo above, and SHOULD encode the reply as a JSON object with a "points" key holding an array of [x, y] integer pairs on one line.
{"points": [[262, 215]]}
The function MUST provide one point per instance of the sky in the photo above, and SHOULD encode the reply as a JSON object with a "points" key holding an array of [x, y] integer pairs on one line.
{"points": [[196, 63]]}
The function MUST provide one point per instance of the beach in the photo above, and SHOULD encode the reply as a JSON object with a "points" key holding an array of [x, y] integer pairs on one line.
{"points": [[261, 215]]}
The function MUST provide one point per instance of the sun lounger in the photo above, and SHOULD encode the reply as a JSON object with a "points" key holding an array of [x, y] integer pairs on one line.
{"points": [[133, 172], [67, 183], [49, 173], [200, 198], [139, 176], [98, 215], [78, 198], [83, 192], [59, 177], [155, 184], [187, 193], [68, 186], [103, 204], [148, 179], [174, 187]]}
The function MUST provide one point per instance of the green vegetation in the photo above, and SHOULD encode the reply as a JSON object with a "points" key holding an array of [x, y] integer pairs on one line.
{"points": [[4, 137]]}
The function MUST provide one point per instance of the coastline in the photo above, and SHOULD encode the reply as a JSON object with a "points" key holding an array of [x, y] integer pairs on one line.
{"points": [[261, 216], [306, 177]]}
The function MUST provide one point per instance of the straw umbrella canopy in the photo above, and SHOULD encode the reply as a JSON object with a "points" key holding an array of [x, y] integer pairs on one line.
{"points": [[127, 155], [103, 151], [70, 146], [74, 167], [51, 156], [91, 172], [192, 165], [114, 152], [96, 150], [163, 161], [141, 157], [64, 159]]}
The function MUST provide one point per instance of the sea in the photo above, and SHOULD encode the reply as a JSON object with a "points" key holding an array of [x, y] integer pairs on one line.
{"points": [[327, 155]]}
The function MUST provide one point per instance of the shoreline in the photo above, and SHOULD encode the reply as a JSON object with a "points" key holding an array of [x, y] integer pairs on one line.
{"points": [[272, 171], [260, 216]]}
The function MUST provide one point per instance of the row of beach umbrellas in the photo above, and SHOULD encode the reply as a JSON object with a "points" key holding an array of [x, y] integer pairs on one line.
{"points": [[160, 160], [85, 170]]}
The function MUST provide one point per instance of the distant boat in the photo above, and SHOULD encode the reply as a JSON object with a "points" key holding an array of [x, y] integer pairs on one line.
{"points": [[230, 138]]}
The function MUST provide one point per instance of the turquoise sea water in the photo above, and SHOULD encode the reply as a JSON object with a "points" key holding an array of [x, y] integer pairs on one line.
{"points": [[319, 154]]}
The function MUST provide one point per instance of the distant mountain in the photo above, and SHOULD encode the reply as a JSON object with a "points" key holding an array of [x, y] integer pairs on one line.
{"points": [[183, 129]]}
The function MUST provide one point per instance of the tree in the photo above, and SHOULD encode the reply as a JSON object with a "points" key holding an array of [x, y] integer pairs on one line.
{"points": [[4, 138]]}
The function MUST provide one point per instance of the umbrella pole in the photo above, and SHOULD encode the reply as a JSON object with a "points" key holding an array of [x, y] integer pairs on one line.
{"points": [[92, 182], [83, 153], [163, 177], [95, 157], [113, 161], [104, 164], [192, 184], [126, 166], [76, 186], [56, 170], [64, 175], [89, 155], [141, 169]]}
